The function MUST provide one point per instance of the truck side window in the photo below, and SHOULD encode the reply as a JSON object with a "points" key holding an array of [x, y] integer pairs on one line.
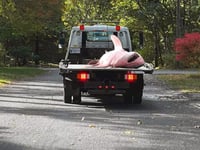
{"points": [[76, 39], [124, 39]]}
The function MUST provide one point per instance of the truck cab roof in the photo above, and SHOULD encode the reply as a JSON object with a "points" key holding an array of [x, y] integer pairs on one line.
{"points": [[100, 27]]}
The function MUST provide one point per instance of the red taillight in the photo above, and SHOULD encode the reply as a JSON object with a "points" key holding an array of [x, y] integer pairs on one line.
{"points": [[106, 87], [130, 77], [112, 87], [100, 86], [83, 76], [82, 27], [117, 28]]}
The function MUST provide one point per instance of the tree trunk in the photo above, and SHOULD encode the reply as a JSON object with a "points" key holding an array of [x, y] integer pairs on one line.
{"points": [[36, 57]]}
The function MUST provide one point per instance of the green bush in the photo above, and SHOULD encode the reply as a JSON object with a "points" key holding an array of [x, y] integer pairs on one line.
{"points": [[147, 53], [169, 60], [21, 55]]}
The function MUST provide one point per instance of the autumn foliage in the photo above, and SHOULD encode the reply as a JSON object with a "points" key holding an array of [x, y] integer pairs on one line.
{"points": [[188, 50]]}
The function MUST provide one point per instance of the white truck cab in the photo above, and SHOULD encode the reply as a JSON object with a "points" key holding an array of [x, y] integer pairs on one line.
{"points": [[91, 42]]}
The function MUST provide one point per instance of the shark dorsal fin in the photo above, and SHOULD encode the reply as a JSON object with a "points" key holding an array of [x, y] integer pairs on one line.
{"points": [[117, 43]]}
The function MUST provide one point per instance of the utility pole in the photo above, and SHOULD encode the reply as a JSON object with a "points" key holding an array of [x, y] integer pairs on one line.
{"points": [[178, 19]]}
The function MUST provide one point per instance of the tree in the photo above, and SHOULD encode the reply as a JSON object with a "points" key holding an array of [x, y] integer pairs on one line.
{"points": [[157, 20], [28, 22], [36, 23], [76, 11]]}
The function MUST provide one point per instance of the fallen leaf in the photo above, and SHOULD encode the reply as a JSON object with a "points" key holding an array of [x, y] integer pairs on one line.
{"points": [[173, 128], [83, 118], [128, 132], [133, 138], [139, 122], [92, 126]]}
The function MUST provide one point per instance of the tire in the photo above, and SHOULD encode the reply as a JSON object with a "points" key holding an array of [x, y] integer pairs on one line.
{"points": [[128, 98], [67, 92], [134, 94], [76, 95], [138, 91], [137, 96]]}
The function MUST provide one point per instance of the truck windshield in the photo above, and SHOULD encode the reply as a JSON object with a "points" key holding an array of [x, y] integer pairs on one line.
{"points": [[99, 36]]}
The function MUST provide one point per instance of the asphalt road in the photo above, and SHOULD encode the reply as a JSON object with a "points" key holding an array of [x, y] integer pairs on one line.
{"points": [[34, 117]]}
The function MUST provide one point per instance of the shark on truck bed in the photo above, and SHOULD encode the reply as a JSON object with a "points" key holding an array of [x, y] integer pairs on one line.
{"points": [[88, 69], [119, 57]]}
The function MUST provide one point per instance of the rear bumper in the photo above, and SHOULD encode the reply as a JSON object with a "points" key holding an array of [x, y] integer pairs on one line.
{"points": [[95, 85], [105, 92], [100, 88]]}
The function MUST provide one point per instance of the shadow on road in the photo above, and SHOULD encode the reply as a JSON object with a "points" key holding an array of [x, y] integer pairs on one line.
{"points": [[160, 121]]}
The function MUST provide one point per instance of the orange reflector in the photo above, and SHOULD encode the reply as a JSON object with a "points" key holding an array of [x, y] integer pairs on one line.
{"points": [[106, 87], [82, 27], [112, 87], [100, 87], [130, 77], [117, 28], [83, 76]]}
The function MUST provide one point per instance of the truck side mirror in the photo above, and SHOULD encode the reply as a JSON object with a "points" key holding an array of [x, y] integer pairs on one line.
{"points": [[141, 39], [61, 40]]}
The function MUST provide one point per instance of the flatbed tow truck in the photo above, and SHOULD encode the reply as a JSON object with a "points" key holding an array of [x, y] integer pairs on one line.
{"points": [[89, 42]]}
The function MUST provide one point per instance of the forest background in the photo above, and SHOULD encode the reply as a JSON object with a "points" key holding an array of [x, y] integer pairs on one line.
{"points": [[29, 29]]}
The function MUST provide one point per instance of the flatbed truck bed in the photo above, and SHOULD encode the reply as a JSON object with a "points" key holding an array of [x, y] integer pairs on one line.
{"points": [[88, 43]]}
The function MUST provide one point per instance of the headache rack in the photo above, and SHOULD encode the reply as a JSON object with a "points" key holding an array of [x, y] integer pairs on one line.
{"points": [[93, 22]]}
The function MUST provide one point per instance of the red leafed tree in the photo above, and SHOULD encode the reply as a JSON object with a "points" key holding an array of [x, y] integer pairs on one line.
{"points": [[188, 50]]}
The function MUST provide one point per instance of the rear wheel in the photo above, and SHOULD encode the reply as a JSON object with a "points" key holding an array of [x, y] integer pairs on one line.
{"points": [[67, 92], [128, 98], [137, 96], [134, 94], [77, 95], [138, 91], [67, 96]]}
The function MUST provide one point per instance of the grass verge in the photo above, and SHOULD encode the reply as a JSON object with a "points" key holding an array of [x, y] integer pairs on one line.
{"points": [[183, 82], [8, 74]]}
